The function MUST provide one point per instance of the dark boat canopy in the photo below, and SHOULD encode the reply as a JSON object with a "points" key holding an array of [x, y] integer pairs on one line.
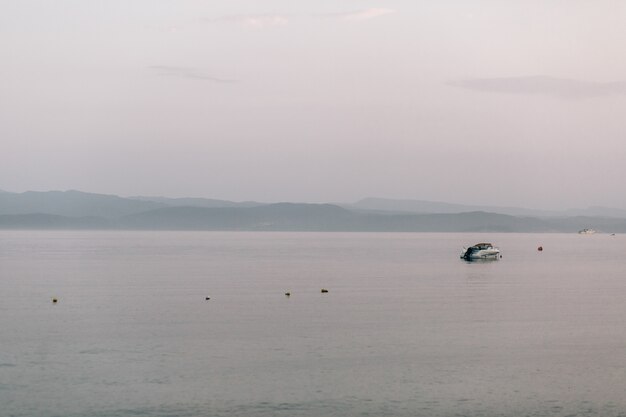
{"points": [[483, 245]]}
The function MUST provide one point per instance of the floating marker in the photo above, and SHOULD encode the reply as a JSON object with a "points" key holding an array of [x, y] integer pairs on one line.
{"points": [[287, 294], [55, 300], [207, 298]]}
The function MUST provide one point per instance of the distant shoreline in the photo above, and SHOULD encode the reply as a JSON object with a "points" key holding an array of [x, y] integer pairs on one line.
{"points": [[75, 210]]}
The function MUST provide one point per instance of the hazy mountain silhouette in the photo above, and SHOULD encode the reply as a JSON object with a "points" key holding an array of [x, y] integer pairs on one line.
{"points": [[197, 202], [79, 210], [51, 221], [281, 216], [424, 207], [72, 204], [596, 211], [384, 205], [81, 204], [311, 217]]}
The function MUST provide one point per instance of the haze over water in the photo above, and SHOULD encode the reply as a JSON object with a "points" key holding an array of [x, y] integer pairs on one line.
{"points": [[407, 328]]}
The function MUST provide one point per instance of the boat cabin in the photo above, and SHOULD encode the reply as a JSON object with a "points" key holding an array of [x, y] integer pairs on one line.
{"points": [[482, 246]]}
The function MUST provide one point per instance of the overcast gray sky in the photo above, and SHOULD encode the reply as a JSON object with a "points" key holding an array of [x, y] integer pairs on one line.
{"points": [[470, 101]]}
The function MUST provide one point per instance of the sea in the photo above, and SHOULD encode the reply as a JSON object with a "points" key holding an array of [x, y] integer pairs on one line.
{"points": [[187, 324]]}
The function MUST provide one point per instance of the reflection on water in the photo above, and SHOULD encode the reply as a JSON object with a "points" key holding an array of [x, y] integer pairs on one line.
{"points": [[406, 329], [480, 260]]}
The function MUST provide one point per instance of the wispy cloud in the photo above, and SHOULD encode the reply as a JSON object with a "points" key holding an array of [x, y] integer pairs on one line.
{"points": [[364, 14], [563, 88], [189, 73], [255, 21]]}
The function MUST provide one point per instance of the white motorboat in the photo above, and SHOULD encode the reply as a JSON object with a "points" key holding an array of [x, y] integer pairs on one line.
{"points": [[480, 251], [586, 232]]}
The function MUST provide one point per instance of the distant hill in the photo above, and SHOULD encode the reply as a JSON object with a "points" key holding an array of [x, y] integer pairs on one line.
{"points": [[51, 221], [596, 211], [79, 210], [424, 207], [326, 217], [281, 216], [311, 217], [72, 204], [81, 204], [197, 202], [384, 205]]}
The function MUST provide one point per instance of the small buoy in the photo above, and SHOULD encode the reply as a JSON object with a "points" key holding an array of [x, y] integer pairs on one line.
{"points": [[55, 300], [324, 290], [207, 298], [540, 248], [287, 294]]}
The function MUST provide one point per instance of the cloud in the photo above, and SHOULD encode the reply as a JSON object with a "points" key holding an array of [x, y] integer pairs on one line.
{"points": [[189, 73], [563, 88], [365, 14], [258, 21]]}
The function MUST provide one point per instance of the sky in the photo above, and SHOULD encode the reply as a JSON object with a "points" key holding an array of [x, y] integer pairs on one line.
{"points": [[510, 103]]}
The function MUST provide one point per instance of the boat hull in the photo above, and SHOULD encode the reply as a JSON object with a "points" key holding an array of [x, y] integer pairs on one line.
{"points": [[482, 254]]}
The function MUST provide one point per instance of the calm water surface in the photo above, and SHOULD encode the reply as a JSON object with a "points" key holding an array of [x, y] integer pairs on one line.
{"points": [[407, 328]]}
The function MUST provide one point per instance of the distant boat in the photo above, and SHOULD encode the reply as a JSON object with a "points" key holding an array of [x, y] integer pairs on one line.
{"points": [[586, 232], [480, 251]]}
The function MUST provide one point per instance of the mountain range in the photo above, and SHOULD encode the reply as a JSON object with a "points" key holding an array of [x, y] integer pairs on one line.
{"points": [[81, 210], [420, 206]]}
